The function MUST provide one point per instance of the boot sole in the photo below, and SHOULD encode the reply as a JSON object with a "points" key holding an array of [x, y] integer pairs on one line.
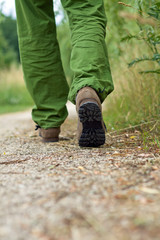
{"points": [[93, 133], [47, 140]]}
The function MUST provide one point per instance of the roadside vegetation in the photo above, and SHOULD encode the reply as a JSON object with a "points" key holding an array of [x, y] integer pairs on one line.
{"points": [[133, 41], [13, 93], [135, 63], [134, 50]]}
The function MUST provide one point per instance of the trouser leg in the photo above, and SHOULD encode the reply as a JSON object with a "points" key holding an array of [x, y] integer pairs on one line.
{"points": [[89, 58], [41, 61]]}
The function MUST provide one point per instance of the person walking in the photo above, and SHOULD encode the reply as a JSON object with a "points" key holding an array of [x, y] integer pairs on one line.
{"points": [[44, 74]]}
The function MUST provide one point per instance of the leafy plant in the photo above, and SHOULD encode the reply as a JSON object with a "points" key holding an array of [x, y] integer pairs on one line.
{"points": [[148, 21]]}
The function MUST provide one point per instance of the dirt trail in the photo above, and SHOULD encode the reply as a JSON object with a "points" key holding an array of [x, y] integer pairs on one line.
{"points": [[11, 122], [59, 191]]}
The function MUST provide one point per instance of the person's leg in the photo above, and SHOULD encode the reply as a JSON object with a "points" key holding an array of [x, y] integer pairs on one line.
{"points": [[41, 61], [89, 59]]}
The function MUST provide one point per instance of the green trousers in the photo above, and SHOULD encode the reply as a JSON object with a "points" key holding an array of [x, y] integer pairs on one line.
{"points": [[41, 60]]}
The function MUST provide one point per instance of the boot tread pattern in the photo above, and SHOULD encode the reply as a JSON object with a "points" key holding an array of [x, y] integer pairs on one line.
{"points": [[93, 134]]}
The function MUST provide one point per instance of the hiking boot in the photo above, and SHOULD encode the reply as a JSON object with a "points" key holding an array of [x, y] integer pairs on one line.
{"points": [[91, 128], [50, 134]]}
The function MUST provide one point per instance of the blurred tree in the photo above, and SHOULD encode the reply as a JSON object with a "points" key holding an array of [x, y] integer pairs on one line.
{"points": [[9, 29], [7, 53]]}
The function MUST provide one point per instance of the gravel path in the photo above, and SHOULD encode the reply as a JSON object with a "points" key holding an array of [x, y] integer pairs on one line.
{"points": [[59, 191]]}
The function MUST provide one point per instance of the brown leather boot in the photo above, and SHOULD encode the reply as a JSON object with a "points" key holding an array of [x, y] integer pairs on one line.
{"points": [[50, 134], [91, 129]]}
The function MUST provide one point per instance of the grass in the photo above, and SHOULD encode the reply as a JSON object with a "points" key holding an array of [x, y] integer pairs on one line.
{"points": [[13, 93], [13, 108], [135, 103], [136, 98]]}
